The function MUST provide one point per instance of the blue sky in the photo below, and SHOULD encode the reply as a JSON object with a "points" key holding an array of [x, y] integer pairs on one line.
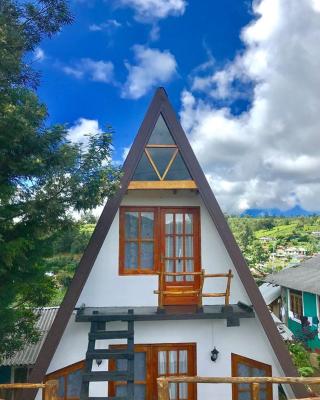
{"points": [[232, 70]]}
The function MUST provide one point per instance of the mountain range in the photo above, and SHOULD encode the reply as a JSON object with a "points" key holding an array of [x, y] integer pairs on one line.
{"points": [[296, 211]]}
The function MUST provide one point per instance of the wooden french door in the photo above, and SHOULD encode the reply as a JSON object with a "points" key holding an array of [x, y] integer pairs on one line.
{"points": [[180, 251]]}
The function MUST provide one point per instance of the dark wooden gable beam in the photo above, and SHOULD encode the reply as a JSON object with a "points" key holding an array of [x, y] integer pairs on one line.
{"points": [[160, 104]]}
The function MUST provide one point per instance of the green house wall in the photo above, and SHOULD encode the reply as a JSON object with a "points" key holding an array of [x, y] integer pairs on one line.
{"points": [[309, 310]]}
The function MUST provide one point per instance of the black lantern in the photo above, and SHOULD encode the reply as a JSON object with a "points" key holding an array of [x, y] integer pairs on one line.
{"points": [[214, 354]]}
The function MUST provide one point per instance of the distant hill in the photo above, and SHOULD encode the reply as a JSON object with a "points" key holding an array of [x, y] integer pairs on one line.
{"points": [[296, 211]]}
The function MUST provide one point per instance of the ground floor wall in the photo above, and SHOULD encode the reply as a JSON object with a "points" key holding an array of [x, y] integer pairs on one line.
{"points": [[247, 340]]}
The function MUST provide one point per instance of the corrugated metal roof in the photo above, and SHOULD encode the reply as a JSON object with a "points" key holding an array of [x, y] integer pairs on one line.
{"points": [[270, 292], [304, 276], [29, 354]]}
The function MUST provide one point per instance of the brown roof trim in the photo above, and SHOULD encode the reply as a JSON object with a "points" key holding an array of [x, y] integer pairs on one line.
{"points": [[160, 104]]}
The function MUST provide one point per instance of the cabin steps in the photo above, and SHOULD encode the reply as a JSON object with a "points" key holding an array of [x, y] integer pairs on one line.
{"points": [[127, 353]]}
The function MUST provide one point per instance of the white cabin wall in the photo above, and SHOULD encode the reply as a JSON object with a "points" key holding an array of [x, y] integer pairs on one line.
{"points": [[105, 287], [248, 340]]}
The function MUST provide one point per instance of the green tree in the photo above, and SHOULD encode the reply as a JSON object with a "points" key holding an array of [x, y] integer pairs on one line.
{"points": [[43, 176]]}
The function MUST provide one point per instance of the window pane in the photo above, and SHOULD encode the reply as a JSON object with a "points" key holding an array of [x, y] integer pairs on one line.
{"points": [[162, 362], [74, 384], [121, 365], [161, 157], [161, 134], [140, 366], [131, 225], [244, 370], [169, 246], [179, 224], [173, 362], [183, 390], [169, 268], [169, 223], [188, 223], [147, 225], [178, 170], [183, 361], [139, 391], [146, 255], [244, 396], [189, 246], [145, 171], [131, 255], [61, 386], [172, 391], [179, 268]]}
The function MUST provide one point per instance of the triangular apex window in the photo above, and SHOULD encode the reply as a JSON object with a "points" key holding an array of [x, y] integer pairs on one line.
{"points": [[161, 160]]}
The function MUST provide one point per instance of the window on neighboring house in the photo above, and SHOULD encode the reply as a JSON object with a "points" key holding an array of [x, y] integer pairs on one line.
{"points": [[152, 361], [243, 366], [69, 381], [296, 303]]}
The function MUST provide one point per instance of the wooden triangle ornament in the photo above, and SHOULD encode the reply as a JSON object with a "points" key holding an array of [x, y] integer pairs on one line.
{"points": [[160, 106]]}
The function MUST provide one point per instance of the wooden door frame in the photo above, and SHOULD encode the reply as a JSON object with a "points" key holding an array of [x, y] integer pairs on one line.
{"points": [[151, 351], [195, 211]]}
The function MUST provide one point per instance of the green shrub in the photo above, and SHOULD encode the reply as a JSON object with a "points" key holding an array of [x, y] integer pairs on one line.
{"points": [[301, 359]]}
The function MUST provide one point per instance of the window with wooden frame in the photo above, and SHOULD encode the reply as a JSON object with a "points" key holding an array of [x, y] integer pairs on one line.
{"points": [[69, 381], [161, 164], [155, 360], [246, 367], [296, 306], [138, 242]]}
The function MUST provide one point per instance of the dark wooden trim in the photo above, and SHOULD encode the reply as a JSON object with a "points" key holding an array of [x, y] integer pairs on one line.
{"points": [[238, 359], [160, 104]]}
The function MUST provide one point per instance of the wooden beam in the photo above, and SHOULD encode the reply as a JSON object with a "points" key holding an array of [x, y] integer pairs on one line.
{"points": [[158, 185]]}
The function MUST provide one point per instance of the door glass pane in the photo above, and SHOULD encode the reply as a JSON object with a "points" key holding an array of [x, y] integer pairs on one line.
{"points": [[179, 268], [169, 223], [172, 391], [162, 362], [244, 395], [189, 268], [146, 255], [74, 384], [179, 224], [147, 225], [169, 268], [178, 170], [140, 366], [173, 362], [160, 133], [183, 361], [131, 255], [169, 246], [161, 157], [189, 246], [145, 171], [183, 390], [189, 223], [121, 365], [179, 246], [131, 225]]}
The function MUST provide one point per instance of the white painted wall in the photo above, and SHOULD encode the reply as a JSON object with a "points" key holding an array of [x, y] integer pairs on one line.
{"points": [[105, 287]]}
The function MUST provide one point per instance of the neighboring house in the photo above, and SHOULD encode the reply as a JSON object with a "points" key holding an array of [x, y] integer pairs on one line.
{"points": [[296, 251], [18, 367], [300, 291], [114, 336], [272, 297], [266, 239]]}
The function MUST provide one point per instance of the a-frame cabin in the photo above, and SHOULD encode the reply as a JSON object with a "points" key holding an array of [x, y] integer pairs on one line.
{"points": [[161, 284]]}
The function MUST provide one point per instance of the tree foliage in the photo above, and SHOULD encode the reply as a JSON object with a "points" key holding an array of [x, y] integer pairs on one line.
{"points": [[44, 178]]}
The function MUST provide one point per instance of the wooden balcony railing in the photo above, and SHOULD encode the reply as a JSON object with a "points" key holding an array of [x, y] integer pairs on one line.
{"points": [[198, 292], [50, 388], [163, 383]]}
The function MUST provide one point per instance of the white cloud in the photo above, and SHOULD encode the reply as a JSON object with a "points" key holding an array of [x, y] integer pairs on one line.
{"points": [[109, 25], [269, 155], [39, 54], [78, 133], [99, 71], [150, 10], [153, 67]]}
